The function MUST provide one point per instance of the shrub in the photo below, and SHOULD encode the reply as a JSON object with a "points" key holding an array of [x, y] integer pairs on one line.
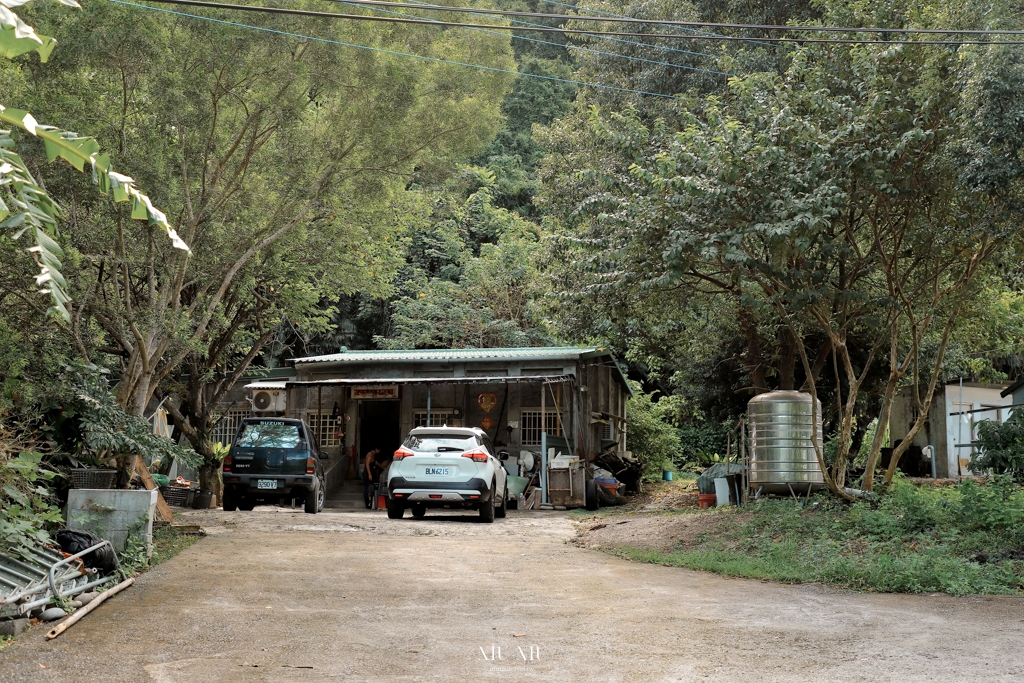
{"points": [[1001, 447]]}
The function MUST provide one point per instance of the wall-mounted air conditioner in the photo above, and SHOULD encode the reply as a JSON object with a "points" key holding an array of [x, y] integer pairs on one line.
{"points": [[268, 401]]}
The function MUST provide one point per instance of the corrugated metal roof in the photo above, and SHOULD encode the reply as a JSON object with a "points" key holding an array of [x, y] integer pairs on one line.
{"points": [[378, 381], [269, 385], [456, 355]]}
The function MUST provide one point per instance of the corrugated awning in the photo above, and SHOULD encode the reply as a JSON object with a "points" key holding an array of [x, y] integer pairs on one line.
{"points": [[279, 384], [370, 381]]}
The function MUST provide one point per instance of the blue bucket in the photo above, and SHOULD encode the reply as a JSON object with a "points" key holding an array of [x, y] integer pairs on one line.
{"points": [[666, 475]]}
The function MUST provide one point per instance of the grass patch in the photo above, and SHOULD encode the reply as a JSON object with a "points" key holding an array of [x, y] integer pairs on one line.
{"points": [[958, 540], [167, 542]]}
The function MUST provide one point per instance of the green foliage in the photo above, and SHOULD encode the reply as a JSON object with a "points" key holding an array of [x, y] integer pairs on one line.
{"points": [[94, 428], [1001, 447], [700, 445], [27, 509], [958, 540], [652, 436], [473, 279], [29, 209], [139, 557], [997, 506], [825, 209]]}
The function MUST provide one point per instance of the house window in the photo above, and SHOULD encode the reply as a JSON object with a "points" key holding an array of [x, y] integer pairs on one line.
{"points": [[227, 425], [608, 431], [327, 429], [995, 412], [438, 418], [529, 423]]}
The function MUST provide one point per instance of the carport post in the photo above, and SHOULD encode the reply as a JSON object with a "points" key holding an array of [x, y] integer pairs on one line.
{"points": [[319, 416], [543, 444], [428, 405]]}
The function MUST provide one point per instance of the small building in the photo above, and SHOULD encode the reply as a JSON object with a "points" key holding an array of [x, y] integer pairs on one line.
{"points": [[571, 399], [951, 426]]}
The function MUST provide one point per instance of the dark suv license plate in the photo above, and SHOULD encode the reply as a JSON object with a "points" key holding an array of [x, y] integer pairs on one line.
{"points": [[266, 483]]}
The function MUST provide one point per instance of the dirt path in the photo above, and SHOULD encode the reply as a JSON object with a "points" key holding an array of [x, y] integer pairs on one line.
{"points": [[274, 596]]}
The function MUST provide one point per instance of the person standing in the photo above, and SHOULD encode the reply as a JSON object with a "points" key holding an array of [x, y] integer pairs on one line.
{"points": [[369, 477]]}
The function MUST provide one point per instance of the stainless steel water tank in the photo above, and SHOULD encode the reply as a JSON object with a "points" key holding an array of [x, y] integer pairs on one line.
{"points": [[781, 451]]}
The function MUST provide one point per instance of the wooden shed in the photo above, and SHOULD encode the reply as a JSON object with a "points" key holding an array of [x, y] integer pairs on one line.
{"points": [[569, 398]]}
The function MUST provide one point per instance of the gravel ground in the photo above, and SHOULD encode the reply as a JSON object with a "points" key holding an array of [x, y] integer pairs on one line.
{"points": [[276, 596]]}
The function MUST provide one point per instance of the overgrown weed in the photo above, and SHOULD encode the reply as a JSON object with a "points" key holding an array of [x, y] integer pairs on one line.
{"points": [[957, 540]]}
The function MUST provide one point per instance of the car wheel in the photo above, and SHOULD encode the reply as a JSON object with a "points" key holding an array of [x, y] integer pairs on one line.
{"points": [[396, 508], [487, 506], [592, 501], [499, 511], [314, 500], [246, 503], [228, 501], [419, 510]]}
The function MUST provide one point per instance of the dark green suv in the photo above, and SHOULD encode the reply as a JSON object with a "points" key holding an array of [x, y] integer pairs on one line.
{"points": [[273, 459]]}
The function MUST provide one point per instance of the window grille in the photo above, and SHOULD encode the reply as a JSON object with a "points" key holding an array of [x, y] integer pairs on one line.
{"points": [[437, 418], [327, 428], [608, 431], [529, 424], [224, 430]]}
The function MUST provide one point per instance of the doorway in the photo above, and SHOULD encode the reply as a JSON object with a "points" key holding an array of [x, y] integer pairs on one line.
{"points": [[379, 426]]}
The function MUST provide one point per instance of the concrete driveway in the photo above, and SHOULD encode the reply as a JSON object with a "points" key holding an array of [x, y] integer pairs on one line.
{"points": [[277, 596]]}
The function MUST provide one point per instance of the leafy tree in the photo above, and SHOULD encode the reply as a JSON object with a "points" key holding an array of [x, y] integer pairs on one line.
{"points": [[29, 210], [652, 434], [456, 296], [272, 154], [853, 203]]}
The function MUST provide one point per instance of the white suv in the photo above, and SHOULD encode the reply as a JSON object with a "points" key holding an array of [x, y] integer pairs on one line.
{"points": [[450, 467]]}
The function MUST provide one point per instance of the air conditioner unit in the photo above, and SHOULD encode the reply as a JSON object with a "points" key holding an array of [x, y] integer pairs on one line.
{"points": [[268, 401]]}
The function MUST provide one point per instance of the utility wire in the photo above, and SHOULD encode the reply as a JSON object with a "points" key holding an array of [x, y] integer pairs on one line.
{"points": [[690, 24], [582, 49], [616, 40], [301, 36], [610, 14], [505, 27]]}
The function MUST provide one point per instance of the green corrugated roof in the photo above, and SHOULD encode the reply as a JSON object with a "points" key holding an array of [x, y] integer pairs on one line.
{"points": [[458, 355], [573, 353]]}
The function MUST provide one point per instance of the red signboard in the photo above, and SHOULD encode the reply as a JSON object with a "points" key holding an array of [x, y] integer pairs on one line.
{"points": [[386, 391]]}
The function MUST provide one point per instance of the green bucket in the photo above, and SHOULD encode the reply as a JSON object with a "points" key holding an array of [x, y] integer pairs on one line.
{"points": [[516, 485]]}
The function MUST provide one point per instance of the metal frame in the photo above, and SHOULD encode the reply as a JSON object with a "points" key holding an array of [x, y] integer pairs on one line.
{"points": [[52, 585]]}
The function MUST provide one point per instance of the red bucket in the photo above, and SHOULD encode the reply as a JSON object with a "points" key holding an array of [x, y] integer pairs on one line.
{"points": [[707, 500]]}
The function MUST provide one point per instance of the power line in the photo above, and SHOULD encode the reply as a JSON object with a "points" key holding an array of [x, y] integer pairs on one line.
{"points": [[399, 20], [505, 27], [610, 14], [582, 49], [689, 24], [329, 41], [615, 40]]}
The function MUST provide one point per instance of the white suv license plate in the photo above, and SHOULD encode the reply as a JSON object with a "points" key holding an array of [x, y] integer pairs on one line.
{"points": [[266, 483], [437, 471]]}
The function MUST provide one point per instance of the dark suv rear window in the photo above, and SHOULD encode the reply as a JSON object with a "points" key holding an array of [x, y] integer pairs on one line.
{"points": [[269, 435], [440, 443]]}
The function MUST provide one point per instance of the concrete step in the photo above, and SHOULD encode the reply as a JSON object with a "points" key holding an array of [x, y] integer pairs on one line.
{"points": [[344, 504]]}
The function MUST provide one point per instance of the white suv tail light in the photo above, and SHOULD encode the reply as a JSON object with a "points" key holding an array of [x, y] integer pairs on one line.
{"points": [[403, 452], [476, 455]]}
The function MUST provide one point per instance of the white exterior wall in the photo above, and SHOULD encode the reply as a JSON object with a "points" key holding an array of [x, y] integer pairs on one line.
{"points": [[962, 429]]}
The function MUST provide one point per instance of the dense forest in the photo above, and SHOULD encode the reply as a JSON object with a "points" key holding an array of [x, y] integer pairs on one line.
{"points": [[731, 216]]}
